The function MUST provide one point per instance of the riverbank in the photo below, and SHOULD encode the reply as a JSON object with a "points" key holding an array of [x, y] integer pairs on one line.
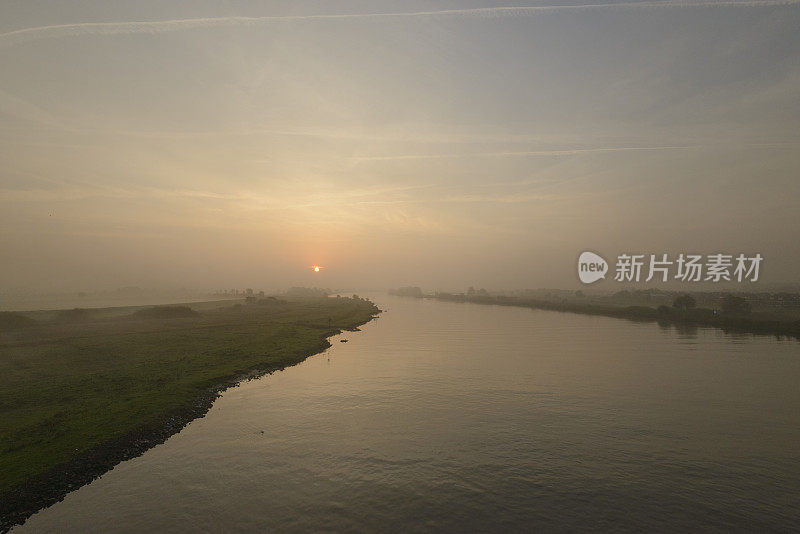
{"points": [[750, 323], [83, 391]]}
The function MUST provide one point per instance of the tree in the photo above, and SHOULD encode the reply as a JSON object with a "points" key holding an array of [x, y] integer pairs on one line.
{"points": [[732, 304], [408, 291], [684, 302]]}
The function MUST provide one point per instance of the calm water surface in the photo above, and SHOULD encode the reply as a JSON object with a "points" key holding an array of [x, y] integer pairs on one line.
{"points": [[445, 416]]}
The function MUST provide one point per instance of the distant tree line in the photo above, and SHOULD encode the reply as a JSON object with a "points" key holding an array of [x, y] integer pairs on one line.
{"points": [[733, 313], [408, 291], [307, 292]]}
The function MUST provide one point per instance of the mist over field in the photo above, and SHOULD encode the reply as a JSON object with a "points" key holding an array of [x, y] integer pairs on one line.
{"points": [[441, 144]]}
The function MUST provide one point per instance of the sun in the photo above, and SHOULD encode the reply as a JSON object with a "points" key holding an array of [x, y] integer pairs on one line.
{"points": [[316, 268]]}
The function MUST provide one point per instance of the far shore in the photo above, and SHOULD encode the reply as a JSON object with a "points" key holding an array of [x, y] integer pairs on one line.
{"points": [[762, 323]]}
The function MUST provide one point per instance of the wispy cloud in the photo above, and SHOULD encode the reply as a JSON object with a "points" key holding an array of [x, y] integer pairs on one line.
{"points": [[522, 153], [15, 106], [569, 152], [24, 35]]}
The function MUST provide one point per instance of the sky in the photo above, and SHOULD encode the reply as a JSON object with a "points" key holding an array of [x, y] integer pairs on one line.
{"points": [[441, 144]]}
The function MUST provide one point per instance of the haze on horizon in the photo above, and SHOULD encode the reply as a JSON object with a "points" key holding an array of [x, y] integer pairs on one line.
{"points": [[442, 144]]}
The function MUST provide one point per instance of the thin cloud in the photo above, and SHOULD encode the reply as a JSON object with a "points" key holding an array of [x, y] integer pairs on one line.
{"points": [[14, 106], [523, 153], [24, 35], [566, 152]]}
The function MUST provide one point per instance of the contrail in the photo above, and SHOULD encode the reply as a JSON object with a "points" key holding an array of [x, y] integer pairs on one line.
{"points": [[522, 153], [563, 152], [152, 27]]}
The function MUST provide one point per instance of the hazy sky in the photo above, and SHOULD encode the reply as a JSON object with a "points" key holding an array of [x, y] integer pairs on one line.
{"points": [[442, 144]]}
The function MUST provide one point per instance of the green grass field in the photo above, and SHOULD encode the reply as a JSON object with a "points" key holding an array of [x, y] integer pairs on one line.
{"points": [[74, 380]]}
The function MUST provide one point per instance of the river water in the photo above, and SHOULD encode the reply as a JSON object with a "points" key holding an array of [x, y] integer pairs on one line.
{"points": [[443, 416]]}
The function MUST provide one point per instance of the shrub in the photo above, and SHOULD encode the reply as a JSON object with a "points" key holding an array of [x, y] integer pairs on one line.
{"points": [[731, 304], [684, 302]]}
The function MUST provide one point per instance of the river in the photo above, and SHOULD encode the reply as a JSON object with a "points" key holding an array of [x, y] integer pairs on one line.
{"points": [[443, 416]]}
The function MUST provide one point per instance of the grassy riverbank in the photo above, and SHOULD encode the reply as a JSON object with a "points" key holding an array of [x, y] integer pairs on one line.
{"points": [[82, 390], [768, 323]]}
